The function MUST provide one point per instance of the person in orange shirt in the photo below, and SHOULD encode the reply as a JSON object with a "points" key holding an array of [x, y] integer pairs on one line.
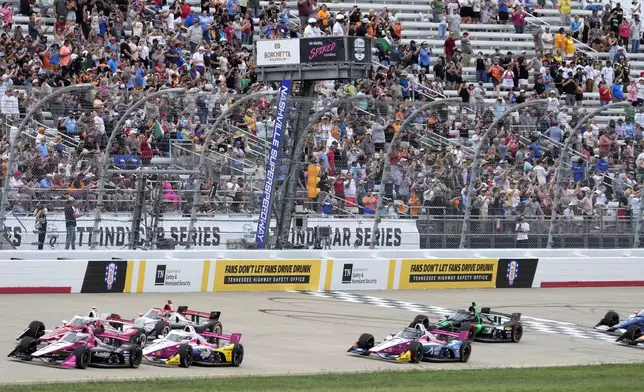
{"points": [[369, 204], [66, 57], [323, 15], [414, 203], [560, 40]]}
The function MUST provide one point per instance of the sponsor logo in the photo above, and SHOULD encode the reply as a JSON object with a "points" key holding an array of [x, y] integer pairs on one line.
{"points": [[169, 277], [351, 275], [111, 271], [513, 272], [448, 273], [359, 49]]}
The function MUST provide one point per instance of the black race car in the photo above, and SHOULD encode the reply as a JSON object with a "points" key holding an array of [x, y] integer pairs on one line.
{"points": [[483, 325]]}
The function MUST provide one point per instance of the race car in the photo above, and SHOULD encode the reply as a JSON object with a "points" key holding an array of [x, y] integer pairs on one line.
{"points": [[611, 323], [158, 322], [188, 347], [416, 344], [79, 349], [101, 324], [483, 325], [632, 337]]}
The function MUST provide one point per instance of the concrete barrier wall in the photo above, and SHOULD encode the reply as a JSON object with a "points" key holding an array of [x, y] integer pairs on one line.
{"points": [[201, 271]]}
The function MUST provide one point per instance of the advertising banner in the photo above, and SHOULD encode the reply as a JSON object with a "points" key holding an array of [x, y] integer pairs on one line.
{"points": [[516, 273], [115, 232], [322, 49], [367, 274], [105, 276], [447, 273], [359, 49], [41, 276], [271, 165], [168, 276], [278, 52], [266, 275]]}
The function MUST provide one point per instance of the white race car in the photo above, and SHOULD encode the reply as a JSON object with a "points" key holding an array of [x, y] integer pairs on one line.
{"points": [[187, 347]]}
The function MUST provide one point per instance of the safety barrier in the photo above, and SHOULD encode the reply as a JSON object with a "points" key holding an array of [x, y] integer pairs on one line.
{"points": [[199, 271]]}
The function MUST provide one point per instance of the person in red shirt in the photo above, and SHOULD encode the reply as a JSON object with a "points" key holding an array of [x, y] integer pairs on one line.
{"points": [[185, 9], [450, 45], [604, 94]]}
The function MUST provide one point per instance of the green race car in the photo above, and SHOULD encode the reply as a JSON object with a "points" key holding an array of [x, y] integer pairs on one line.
{"points": [[483, 325]]}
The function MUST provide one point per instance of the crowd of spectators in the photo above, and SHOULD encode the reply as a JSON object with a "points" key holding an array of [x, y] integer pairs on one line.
{"points": [[134, 48]]}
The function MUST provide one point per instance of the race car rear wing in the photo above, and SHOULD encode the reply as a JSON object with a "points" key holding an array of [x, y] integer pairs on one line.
{"points": [[197, 316], [511, 316], [232, 338]]}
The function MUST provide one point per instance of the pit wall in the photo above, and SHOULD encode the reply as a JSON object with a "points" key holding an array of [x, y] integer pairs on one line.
{"points": [[203, 271]]}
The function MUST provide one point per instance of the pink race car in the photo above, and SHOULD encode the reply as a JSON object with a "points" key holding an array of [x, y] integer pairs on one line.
{"points": [[416, 344], [79, 349], [103, 326]]}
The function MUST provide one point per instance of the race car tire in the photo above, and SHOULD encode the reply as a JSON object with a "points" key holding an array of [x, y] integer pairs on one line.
{"points": [[633, 332], [118, 326], [517, 332], [237, 356], [136, 357], [366, 342], [416, 352], [218, 329], [161, 329], [185, 355], [82, 355], [610, 319], [420, 319], [140, 338], [36, 329], [465, 351], [27, 346], [471, 329]]}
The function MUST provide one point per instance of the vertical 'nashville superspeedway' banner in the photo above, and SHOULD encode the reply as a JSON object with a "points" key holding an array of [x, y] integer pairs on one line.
{"points": [[271, 165]]}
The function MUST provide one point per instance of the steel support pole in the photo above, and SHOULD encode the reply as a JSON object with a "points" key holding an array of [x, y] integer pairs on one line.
{"points": [[564, 157], [202, 157], [296, 163], [14, 141], [477, 158], [106, 154], [387, 168]]}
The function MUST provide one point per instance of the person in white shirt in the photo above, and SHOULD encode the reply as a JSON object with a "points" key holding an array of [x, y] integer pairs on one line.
{"points": [[608, 74], [338, 29], [522, 229], [542, 172], [198, 60], [311, 30]]}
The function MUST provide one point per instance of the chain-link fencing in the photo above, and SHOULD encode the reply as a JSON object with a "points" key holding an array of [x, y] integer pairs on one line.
{"points": [[140, 192]]}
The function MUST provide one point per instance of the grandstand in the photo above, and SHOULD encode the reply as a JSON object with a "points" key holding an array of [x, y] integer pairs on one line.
{"points": [[67, 138]]}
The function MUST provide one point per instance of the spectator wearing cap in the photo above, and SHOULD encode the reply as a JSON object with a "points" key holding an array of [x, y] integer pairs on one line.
{"points": [[338, 26], [312, 30], [424, 53], [635, 33], [70, 223]]}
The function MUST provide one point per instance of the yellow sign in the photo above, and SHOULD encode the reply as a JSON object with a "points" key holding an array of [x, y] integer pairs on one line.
{"points": [[267, 275], [173, 360], [447, 273]]}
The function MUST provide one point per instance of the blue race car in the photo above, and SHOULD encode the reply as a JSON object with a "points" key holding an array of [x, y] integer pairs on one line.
{"points": [[612, 324]]}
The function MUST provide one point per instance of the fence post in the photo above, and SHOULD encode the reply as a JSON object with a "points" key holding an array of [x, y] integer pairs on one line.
{"points": [[14, 141], [564, 158], [204, 151], [106, 156], [387, 168], [477, 158]]}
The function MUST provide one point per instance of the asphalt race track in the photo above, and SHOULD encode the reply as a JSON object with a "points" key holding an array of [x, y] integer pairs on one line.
{"points": [[303, 333]]}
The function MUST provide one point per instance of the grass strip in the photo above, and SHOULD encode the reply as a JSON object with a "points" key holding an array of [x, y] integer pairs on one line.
{"points": [[600, 378]]}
